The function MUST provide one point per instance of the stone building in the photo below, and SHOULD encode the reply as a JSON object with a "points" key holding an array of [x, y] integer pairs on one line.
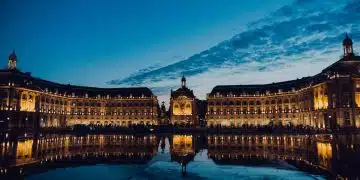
{"points": [[183, 109], [327, 100], [30, 102]]}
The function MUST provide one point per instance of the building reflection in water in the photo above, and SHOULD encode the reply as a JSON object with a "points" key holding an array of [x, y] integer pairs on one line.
{"points": [[337, 154], [182, 149], [62, 150]]}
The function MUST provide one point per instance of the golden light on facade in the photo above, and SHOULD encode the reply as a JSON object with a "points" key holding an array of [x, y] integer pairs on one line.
{"points": [[182, 144], [24, 151]]}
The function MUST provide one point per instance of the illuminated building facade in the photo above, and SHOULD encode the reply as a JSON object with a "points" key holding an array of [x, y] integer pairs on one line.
{"points": [[30, 102], [55, 151], [183, 108], [328, 100]]}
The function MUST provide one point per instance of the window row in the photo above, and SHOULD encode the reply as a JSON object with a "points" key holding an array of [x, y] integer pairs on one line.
{"points": [[279, 101]]}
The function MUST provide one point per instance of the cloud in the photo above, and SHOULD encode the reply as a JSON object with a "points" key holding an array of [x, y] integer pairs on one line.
{"points": [[297, 40]]}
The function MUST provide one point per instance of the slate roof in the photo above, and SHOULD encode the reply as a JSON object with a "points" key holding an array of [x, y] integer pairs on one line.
{"points": [[262, 88], [182, 91], [349, 66], [27, 81]]}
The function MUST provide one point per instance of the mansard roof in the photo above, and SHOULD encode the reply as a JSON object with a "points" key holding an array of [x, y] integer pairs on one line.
{"points": [[262, 88], [27, 81], [345, 66], [349, 66], [182, 91]]}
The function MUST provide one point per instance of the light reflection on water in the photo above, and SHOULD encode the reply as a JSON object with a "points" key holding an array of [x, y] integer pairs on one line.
{"points": [[182, 156]]}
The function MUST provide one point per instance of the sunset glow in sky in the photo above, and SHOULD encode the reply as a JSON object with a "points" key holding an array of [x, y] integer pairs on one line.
{"points": [[153, 43]]}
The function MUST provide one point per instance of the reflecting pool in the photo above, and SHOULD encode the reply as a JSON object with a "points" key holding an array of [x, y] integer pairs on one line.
{"points": [[176, 156]]}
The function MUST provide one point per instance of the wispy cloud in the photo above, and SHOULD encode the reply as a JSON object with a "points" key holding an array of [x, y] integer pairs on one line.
{"points": [[297, 40]]}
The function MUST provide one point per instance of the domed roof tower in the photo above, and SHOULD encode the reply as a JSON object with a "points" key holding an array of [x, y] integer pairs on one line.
{"points": [[183, 82], [348, 47]]}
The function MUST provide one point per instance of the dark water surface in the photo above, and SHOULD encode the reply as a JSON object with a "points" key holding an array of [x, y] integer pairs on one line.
{"points": [[187, 156]]}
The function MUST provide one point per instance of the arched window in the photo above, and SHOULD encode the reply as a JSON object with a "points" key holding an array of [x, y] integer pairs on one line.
{"points": [[287, 110], [273, 110], [252, 111], [258, 110], [244, 110], [292, 100]]}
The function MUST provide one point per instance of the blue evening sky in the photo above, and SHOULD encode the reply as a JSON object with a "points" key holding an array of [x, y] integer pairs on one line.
{"points": [[89, 42]]}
